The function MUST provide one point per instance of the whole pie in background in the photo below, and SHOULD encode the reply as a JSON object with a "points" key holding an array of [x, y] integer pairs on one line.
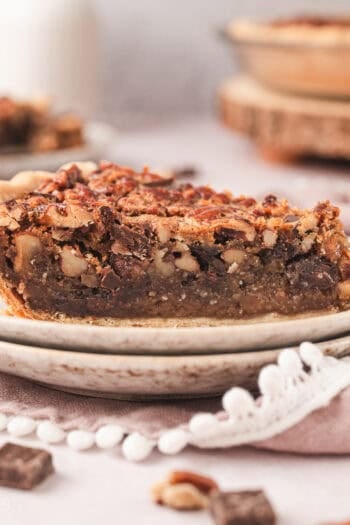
{"points": [[307, 54]]}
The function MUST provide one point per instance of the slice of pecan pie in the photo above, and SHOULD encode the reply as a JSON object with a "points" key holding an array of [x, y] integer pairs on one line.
{"points": [[33, 127], [103, 242]]}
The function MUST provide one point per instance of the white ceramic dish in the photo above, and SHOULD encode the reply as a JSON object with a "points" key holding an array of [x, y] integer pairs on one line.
{"points": [[141, 377], [99, 138], [200, 337]]}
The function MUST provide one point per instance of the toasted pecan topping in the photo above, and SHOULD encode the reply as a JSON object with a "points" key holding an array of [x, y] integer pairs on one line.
{"points": [[82, 194], [202, 483], [184, 490]]}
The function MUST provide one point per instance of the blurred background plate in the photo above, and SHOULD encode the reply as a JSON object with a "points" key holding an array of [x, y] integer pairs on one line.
{"points": [[98, 138], [300, 68]]}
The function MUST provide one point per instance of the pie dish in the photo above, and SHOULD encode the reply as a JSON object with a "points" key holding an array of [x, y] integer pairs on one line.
{"points": [[309, 55], [97, 243], [31, 126]]}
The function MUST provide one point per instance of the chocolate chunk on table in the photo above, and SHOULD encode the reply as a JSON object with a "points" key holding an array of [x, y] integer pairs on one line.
{"points": [[242, 508], [24, 467]]}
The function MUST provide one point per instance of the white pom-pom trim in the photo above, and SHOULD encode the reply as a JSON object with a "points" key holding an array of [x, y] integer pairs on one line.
{"points": [[80, 439], [20, 426], [311, 354], [238, 402], [271, 382], [173, 441], [137, 447], [290, 363], [49, 432], [203, 424], [109, 436]]}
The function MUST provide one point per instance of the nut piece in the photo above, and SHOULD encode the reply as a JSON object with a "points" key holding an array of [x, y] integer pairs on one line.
{"points": [[163, 267], [163, 233], [308, 241], [157, 491], [233, 255], [181, 247], [6, 220], [27, 247], [74, 216], [183, 496], [269, 238], [184, 490], [232, 268], [344, 290], [308, 223], [85, 167], [22, 183], [72, 263], [203, 483], [244, 227], [187, 263]]}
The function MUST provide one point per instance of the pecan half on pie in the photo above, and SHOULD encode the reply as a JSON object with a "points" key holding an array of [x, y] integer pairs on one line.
{"points": [[103, 242]]}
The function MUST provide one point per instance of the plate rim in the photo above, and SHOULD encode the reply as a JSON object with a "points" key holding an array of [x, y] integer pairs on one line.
{"points": [[141, 378], [99, 136], [174, 339]]}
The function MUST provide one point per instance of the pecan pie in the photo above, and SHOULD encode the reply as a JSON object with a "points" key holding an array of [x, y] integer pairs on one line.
{"points": [[32, 126], [299, 29], [307, 54], [103, 242]]}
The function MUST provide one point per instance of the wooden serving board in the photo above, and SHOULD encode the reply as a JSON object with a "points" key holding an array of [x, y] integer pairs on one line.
{"points": [[287, 124]]}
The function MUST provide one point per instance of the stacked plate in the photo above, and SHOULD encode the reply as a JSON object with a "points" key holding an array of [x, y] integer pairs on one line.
{"points": [[99, 138], [166, 359]]}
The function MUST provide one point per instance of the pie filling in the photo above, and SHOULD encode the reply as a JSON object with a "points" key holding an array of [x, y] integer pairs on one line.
{"points": [[112, 243]]}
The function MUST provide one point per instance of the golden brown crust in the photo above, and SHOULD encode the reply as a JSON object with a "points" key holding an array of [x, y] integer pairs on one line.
{"points": [[22, 183]]}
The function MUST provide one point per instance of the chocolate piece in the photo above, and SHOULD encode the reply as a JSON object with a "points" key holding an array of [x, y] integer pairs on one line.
{"points": [[23, 467], [107, 242], [249, 507]]}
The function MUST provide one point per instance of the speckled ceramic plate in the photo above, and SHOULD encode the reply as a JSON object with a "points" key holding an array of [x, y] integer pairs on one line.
{"points": [[163, 337], [141, 377]]}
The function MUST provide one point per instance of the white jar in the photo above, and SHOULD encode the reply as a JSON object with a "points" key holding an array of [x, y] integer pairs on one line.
{"points": [[49, 47]]}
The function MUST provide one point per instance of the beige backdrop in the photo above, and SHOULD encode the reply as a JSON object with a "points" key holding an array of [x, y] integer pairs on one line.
{"points": [[164, 58]]}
